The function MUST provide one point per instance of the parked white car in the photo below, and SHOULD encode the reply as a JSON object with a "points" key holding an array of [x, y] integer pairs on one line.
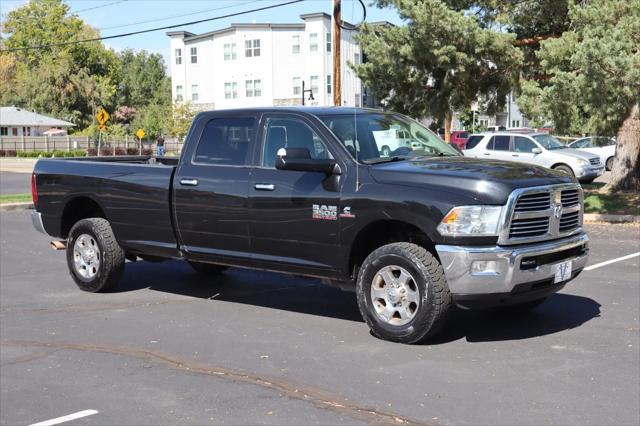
{"points": [[392, 139], [603, 147], [540, 149]]}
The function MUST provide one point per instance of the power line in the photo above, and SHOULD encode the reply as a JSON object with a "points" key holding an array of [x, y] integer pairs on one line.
{"points": [[98, 7], [167, 27], [131, 24]]}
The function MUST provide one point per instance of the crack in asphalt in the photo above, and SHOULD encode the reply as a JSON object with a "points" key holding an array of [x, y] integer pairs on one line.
{"points": [[318, 397]]}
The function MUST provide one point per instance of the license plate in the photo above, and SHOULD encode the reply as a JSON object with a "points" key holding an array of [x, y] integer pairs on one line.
{"points": [[563, 272]]}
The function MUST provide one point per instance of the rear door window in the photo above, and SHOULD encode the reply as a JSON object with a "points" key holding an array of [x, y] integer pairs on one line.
{"points": [[473, 141], [226, 141], [499, 143]]}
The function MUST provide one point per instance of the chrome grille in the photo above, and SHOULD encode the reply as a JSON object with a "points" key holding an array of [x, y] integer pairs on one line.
{"points": [[569, 221], [533, 202], [594, 161], [522, 228], [542, 213], [570, 197]]}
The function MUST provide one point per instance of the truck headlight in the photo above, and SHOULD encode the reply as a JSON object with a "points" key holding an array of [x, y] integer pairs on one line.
{"points": [[582, 162], [471, 220]]}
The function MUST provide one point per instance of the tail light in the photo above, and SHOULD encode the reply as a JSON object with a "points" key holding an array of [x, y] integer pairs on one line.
{"points": [[34, 190]]}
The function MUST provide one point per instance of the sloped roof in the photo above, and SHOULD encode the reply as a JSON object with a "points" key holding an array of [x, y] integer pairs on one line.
{"points": [[12, 116]]}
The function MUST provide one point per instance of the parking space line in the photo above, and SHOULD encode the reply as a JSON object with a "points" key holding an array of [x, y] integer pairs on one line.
{"points": [[609, 262], [67, 418]]}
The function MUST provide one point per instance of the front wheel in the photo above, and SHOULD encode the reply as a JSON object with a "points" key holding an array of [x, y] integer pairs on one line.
{"points": [[609, 164], [94, 257], [564, 169], [402, 293]]}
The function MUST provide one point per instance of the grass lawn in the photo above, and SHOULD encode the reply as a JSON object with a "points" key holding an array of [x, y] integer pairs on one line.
{"points": [[616, 203], [15, 198]]}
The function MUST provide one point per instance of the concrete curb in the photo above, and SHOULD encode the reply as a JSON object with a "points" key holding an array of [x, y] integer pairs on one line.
{"points": [[613, 218], [14, 207]]}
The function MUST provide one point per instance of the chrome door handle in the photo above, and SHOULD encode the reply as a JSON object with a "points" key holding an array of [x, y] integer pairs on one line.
{"points": [[487, 153], [515, 155], [265, 187], [189, 182]]}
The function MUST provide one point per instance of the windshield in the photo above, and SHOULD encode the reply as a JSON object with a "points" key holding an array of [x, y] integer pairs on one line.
{"points": [[380, 137], [548, 142]]}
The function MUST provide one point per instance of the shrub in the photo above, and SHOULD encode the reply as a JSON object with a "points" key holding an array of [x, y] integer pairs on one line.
{"points": [[92, 152], [121, 151], [106, 150], [78, 153], [146, 151], [2, 153], [59, 153], [133, 151], [10, 153]]}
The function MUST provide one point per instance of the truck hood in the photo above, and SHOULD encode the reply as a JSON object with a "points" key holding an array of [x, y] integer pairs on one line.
{"points": [[573, 153], [486, 181]]}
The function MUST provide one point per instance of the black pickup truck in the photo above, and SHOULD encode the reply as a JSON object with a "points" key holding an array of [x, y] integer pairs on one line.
{"points": [[307, 191]]}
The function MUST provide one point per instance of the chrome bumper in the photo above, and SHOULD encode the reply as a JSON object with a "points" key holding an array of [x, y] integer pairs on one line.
{"points": [[589, 171], [506, 272], [36, 220]]}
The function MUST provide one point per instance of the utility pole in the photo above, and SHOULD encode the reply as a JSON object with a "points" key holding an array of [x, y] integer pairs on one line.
{"points": [[337, 72]]}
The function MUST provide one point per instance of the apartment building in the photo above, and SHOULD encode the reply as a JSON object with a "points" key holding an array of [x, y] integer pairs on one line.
{"points": [[263, 64]]}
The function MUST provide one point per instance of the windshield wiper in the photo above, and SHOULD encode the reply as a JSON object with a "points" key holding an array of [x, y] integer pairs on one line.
{"points": [[387, 159]]}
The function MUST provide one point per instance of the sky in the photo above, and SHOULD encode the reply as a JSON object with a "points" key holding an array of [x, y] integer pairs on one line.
{"points": [[130, 15]]}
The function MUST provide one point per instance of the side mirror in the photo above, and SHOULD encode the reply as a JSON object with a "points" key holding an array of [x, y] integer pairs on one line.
{"points": [[299, 159], [536, 151]]}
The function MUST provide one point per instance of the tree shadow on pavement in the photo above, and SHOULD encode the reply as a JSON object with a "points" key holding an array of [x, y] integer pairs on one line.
{"points": [[309, 296]]}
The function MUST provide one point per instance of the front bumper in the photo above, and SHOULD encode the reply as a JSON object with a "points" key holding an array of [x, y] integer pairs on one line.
{"points": [[589, 171], [508, 275]]}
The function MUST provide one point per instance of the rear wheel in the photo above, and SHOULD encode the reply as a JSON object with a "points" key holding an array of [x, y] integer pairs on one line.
{"points": [[94, 257], [206, 268], [564, 169], [609, 163], [402, 293]]}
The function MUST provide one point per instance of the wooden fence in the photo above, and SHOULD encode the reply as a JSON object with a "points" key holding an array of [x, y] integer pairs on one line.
{"points": [[68, 143]]}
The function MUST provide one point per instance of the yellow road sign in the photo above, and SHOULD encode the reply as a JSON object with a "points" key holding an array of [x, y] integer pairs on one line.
{"points": [[101, 126], [140, 133], [102, 116]]}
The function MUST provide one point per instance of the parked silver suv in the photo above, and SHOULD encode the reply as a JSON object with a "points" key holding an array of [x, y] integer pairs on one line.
{"points": [[541, 149]]}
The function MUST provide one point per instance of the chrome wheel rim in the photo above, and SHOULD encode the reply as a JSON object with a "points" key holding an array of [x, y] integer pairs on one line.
{"points": [[395, 295], [86, 256]]}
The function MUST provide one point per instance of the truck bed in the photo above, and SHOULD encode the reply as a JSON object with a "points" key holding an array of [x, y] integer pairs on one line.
{"points": [[133, 192]]}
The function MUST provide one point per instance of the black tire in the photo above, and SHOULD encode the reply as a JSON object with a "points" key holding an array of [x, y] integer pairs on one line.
{"points": [[385, 151], [427, 273], [564, 169], [111, 255], [207, 268], [608, 165]]}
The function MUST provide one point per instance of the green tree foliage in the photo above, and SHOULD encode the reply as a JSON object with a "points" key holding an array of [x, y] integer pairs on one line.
{"points": [[439, 62], [593, 82], [70, 82], [154, 119], [181, 118]]}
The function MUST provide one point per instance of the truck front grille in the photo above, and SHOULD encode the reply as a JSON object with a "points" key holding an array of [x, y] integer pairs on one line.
{"points": [[594, 161], [543, 213]]}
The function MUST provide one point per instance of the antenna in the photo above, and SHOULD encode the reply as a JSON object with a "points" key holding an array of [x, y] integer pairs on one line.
{"points": [[356, 145]]}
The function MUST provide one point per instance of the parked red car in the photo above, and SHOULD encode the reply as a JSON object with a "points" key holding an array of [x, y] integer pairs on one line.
{"points": [[459, 138]]}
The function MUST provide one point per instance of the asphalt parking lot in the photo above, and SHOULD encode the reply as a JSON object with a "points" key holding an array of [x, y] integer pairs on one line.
{"points": [[249, 347], [15, 183]]}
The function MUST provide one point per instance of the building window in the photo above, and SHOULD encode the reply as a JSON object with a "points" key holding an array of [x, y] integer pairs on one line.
{"points": [[356, 59], [515, 123], [230, 52], [14, 131], [295, 44], [4, 131], [231, 90], [253, 88], [179, 93], [297, 87], [194, 92], [313, 42], [194, 55], [357, 100], [329, 81], [252, 48], [328, 42], [314, 84], [178, 56]]}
